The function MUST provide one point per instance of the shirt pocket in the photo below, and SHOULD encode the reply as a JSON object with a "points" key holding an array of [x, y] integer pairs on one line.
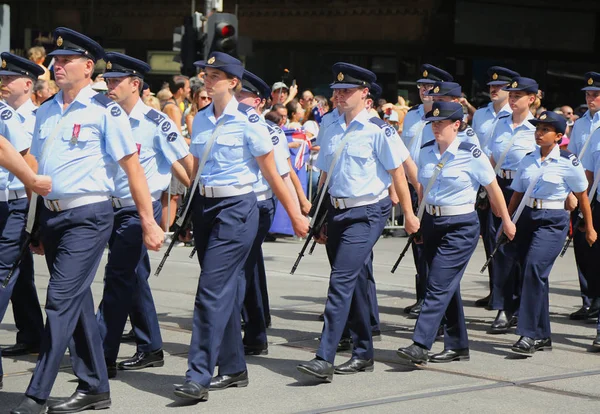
{"points": [[230, 146]]}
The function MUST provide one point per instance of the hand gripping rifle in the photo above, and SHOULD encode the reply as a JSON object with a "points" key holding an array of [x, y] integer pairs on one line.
{"points": [[182, 221], [32, 231], [318, 214]]}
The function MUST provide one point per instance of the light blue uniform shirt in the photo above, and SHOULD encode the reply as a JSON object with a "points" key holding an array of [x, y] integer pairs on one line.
{"points": [[523, 143], [362, 169], [563, 173], [484, 121], [159, 145], [281, 154], [467, 135], [582, 129], [13, 130], [413, 123], [591, 157], [26, 114], [328, 119], [241, 137], [85, 164], [465, 170]]}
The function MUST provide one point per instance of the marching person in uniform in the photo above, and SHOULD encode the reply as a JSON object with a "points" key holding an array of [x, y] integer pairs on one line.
{"points": [[80, 139], [579, 144], [512, 138], [361, 156], [230, 143], [17, 120], [485, 120], [450, 172], [552, 174], [412, 134], [160, 147]]}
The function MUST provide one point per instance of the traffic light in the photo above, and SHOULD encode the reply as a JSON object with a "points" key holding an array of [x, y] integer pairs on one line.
{"points": [[221, 34], [191, 43]]}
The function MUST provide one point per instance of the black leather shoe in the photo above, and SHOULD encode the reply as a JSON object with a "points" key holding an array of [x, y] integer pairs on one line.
{"points": [[111, 368], [143, 360], [483, 302], [501, 324], [20, 349], [220, 382], [594, 309], [449, 355], [344, 345], [318, 368], [410, 308], [29, 406], [191, 390], [355, 365], [543, 344], [416, 310], [524, 346], [128, 337], [596, 343], [414, 353], [376, 335], [258, 349], [580, 314], [80, 402]]}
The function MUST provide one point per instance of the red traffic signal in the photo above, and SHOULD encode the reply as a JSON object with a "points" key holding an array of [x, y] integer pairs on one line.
{"points": [[226, 30]]}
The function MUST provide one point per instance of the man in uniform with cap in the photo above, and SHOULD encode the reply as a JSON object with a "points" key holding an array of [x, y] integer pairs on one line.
{"points": [[18, 75], [361, 156], [579, 144], [126, 290], [484, 123], [412, 135], [80, 139]]}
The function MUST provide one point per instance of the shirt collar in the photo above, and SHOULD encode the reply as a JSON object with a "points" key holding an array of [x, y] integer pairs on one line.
{"points": [[362, 118], [524, 124], [139, 111], [504, 109], [452, 148], [554, 155], [26, 109], [231, 109], [83, 97]]}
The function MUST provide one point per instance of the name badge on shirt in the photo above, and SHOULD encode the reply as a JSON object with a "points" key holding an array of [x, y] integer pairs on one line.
{"points": [[75, 134]]}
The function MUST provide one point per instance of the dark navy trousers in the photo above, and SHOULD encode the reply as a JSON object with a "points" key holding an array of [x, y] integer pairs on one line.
{"points": [[74, 241], [224, 231], [586, 264], [539, 240], [351, 235], [126, 288], [488, 239], [506, 275], [419, 255], [449, 243], [21, 288], [255, 331]]}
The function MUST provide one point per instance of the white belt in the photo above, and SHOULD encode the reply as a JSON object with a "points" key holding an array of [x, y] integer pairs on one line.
{"points": [[68, 203], [449, 210], [128, 202], [3, 196], [16, 194], [343, 203], [537, 204], [264, 195], [224, 191], [508, 174]]}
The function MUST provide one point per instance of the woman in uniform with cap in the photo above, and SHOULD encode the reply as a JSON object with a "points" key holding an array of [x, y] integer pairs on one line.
{"points": [[450, 172], [552, 174], [512, 138], [230, 143]]}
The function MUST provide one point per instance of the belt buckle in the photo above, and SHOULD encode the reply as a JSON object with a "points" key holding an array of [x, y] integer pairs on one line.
{"points": [[202, 190], [535, 204], [504, 175], [53, 205], [336, 203]]}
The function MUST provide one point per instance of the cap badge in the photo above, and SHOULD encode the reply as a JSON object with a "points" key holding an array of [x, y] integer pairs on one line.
{"points": [[436, 89], [590, 81], [59, 41], [544, 116], [425, 73], [514, 84], [340, 77], [211, 60], [495, 76], [108, 66], [436, 112], [3, 63]]}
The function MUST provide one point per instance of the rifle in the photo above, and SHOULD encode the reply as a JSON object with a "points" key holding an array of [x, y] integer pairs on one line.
{"points": [[32, 232], [181, 223], [410, 240], [503, 239], [576, 225], [318, 214]]}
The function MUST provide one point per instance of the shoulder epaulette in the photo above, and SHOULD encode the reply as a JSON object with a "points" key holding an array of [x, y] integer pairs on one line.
{"points": [[154, 116], [2, 105], [466, 146], [103, 100], [48, 99], [380, 123], [567, 154], [412, 108], [428, 144], [482, 107], [504, 116], [242, 107], [529, 153]]}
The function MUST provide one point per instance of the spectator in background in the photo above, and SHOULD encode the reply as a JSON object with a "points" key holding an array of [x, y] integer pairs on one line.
{"points": [[37, 54], [295, 113], [468, 109], [152, 101], [281, 110], [567, 112], [100, 85], [146, 92], [41, 92], [282, 94], [275, 117], [200, 100], [392, 119], [307, 100], [163, 96], [53, 87]]}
